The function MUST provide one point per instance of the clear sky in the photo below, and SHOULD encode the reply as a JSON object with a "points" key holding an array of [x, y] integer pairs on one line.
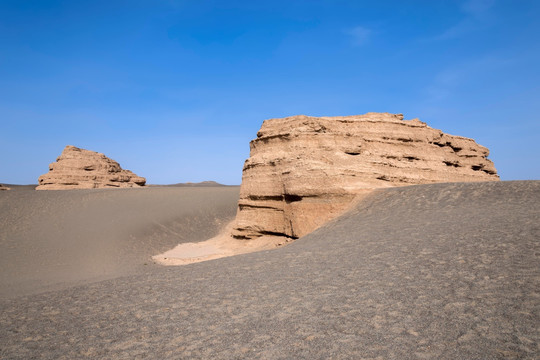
{"points": [[175, 90]]}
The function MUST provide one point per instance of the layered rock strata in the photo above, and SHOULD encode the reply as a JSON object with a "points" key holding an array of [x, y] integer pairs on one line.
{"points": [[303, 171], [84, 169]]}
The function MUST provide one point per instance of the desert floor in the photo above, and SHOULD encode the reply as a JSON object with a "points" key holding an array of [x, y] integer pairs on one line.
{"points": [[52, 240], [443, 271]]}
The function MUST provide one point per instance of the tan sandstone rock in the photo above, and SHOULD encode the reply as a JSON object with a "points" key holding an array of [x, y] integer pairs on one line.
{"points": [[303, 171], [3, 187], [84, 169]]}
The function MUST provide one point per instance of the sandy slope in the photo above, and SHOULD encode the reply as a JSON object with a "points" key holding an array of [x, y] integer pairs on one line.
{"points": [[445, 271], [54, 239]]}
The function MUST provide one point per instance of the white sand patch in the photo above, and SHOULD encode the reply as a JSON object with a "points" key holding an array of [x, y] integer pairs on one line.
{"points": [[217, 247]]}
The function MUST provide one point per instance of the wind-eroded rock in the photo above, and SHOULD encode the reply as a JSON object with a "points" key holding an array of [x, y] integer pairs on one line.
{"points": [[303, 171], [84, 169], [3, 187]]}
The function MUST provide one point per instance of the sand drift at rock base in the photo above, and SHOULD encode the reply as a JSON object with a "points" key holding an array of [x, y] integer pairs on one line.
{"points": [[222, 245]]}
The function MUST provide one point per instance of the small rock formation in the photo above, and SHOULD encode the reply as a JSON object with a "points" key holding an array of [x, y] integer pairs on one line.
{"points": [[84, 169], [303, 171], [3, 187]]}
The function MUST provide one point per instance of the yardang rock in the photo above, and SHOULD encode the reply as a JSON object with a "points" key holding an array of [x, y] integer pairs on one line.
{"points": [[84, 169], [303, 170]]}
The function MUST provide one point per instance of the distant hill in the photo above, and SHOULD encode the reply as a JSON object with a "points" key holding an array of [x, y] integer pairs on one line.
{"points": [[199, 184]]}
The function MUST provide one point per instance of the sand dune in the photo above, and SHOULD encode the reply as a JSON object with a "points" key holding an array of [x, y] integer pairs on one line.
{"points": [[52, 240], [444, 271]]}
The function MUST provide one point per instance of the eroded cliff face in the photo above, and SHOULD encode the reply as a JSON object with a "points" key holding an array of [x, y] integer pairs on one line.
{"points": [[84, 169], [303, 171]]}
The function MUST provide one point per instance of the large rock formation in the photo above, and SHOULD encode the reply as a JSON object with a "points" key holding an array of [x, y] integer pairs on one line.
{"points": [[304, 171], [84, 169], [3, 187]]}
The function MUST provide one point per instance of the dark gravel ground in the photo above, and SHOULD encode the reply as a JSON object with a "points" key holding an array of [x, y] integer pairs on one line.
{"points": [[444, 271]]}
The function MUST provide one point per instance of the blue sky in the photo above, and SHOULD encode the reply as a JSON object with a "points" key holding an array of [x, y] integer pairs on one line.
{"points": [[175, 90]]}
